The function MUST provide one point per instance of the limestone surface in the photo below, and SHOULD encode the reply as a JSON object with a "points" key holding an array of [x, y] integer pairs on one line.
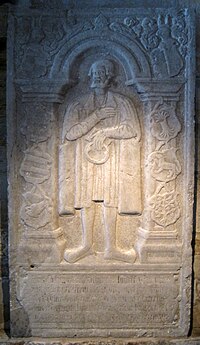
{"points": [[101, 165]]}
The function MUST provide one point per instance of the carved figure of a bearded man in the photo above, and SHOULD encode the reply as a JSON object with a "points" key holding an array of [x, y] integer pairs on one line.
{"points": [[99, 162]]}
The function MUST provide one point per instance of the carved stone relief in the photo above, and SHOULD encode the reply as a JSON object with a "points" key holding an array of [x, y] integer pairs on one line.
{"points": [[41, 42], [38, 42], [36, 205], [160, 228], [36, 208], [36, 165], [101, 144], [165, 208], [164, 123], [38, 128], [103, 127], [164, 38], [163, 165]]}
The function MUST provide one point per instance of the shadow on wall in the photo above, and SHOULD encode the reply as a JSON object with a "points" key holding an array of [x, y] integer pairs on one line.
{"points": [[4, 278]]}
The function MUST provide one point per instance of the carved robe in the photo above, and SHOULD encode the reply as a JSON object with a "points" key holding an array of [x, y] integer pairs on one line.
{"points": [[99, 160]]}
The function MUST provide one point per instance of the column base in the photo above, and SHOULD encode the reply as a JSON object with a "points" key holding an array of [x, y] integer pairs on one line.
{"points": [[44, 247], [158, 247]]}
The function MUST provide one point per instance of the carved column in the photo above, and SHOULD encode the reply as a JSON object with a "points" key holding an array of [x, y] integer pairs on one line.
{"points": [[38, 170], [158, 235]]}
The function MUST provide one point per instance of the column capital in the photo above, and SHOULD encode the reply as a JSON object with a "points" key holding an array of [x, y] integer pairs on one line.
{"points": [[153, 89], [47, 90]]}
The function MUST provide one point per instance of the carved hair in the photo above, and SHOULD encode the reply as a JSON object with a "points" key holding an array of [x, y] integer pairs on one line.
{"points": [[107, 64]]}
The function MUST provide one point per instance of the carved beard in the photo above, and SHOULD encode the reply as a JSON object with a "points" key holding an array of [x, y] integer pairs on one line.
{"points": [[98, 83]]}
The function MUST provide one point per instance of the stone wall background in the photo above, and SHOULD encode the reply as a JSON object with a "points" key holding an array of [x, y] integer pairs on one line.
{"points": [[4, 278], [195, 326]]}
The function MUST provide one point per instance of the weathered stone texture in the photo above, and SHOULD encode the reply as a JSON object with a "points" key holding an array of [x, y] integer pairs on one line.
{"points": [[196, 322], [4, 280], [139, 341], [101, 155], [38, 146], [196, 301]]}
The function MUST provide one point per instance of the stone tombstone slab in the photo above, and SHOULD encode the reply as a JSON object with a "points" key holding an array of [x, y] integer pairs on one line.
{"points": [[101, 155]]}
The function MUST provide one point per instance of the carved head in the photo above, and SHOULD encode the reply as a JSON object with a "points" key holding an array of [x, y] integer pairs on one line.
{"points": [[101, 72]]}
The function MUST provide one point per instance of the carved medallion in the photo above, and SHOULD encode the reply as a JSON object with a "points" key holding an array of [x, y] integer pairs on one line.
{"points": [[36, 165], [165, 209], [164, 165], [164, 122], [36, 208]]}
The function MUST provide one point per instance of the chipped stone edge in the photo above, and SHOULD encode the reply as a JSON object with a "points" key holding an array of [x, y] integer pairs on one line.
{"points": [[99, 341]]}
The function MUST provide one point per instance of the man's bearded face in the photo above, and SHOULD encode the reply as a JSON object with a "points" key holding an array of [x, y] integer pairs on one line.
{"points": [[99, 78]]}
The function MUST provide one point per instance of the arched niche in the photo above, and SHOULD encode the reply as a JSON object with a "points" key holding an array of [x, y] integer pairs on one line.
{"points": [[127, 52], [78, 81]]}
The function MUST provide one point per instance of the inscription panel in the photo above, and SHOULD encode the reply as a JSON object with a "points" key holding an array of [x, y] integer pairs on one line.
{"points": [[104, 301]]}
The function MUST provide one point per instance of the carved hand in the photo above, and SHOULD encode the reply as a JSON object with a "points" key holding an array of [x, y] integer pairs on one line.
{"points": [[80, 129], [98, 138], [105, 113]]}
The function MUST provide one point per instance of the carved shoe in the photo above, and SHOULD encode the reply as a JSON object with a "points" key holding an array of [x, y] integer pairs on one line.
{"points": [[119, 255], [74, 255]]}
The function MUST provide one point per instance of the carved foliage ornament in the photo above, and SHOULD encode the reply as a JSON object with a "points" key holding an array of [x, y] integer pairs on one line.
{"points": [[163, 37]]}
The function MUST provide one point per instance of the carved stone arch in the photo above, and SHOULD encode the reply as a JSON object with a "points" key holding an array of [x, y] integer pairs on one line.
{"points": [[129, 54]]}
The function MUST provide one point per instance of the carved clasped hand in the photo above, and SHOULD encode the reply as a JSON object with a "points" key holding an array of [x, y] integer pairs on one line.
{"points": [[97, 151]]}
